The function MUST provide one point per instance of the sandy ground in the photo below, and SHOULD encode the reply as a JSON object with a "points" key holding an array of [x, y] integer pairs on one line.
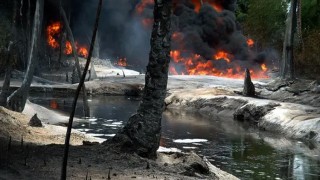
{"points": [[15, 125]]}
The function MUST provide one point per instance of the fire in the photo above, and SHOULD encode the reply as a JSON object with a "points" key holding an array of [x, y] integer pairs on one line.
{"points": [[147, 22], [175, 55], [214, 5], [190, 63], [264, 67], [54, 32], [54, 104], [142, 5], [82, 51], [222, 55], [122, 62], [250, 42], [217, 7], [194, 64], [172, 70], [68, 49]]}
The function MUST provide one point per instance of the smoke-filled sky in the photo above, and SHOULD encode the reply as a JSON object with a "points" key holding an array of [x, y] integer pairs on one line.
{"points": [[121, 31], [203, 30]]}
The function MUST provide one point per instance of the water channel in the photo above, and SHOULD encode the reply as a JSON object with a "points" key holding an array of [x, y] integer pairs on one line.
{"points": [[243, 152]]}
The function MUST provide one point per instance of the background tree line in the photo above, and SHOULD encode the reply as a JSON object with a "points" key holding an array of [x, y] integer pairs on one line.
{"points": [[265, 22]]}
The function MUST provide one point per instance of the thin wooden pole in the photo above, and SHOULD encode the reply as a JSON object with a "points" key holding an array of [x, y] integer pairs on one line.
{"points": [[86, 108], [68, 134]]}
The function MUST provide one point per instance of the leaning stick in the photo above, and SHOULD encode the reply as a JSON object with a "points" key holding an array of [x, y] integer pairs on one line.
{"points": [[68, 134]]}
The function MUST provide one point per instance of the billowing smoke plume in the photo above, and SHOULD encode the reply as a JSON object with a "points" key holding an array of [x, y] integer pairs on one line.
{"points": [[206, 36], [121, 31], [208, 40]]}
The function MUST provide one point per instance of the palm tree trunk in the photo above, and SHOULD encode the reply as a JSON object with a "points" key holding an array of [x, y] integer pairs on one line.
{"points": [[142, 132], [17, 100]]}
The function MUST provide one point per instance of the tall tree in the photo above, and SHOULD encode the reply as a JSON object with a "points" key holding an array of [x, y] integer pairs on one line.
{"points": [[9, 58], [287, 67], [142, 132], [5, 91], [17, 100]]}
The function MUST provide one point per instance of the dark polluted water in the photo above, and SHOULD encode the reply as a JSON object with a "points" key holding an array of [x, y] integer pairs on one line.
{"points": [[243, 152]]}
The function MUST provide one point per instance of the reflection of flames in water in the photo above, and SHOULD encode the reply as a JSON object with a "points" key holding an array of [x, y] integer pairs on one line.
{"points": [[54, 104], [186, 62], [54, 31], [122, 62]]}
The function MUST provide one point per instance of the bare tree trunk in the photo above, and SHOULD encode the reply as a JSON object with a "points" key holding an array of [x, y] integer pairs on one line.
{"points": [[142, 132], [74, 51], [287, 60], [96, 52], [28, 32], [299, 23], [17, 100], [61, 47], [5, 92], [74, 104]]}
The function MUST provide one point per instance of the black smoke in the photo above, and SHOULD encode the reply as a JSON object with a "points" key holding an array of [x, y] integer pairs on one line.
{"points": [[122, 33]]}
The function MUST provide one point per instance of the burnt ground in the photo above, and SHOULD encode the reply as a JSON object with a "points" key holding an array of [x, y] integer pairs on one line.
{"points": [[30, 161]]}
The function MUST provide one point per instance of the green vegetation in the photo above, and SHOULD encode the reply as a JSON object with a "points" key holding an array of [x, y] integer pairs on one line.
{"points": [[264, 21], [310, 15]]}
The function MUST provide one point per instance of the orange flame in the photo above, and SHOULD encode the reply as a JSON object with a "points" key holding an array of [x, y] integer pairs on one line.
{"points": [[68, 49], [54, 104], [54, 31], [147, 22], [217, 7], [122, 62], [264, 67], [142, 5], [194, 64], [214, 5], [223, 55], [250, 42], [82, 51]]}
